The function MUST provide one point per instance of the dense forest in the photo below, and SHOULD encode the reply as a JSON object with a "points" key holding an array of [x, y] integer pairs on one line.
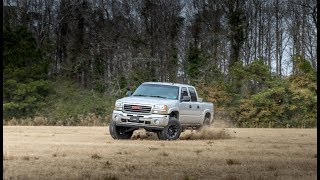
{"points": [[66, 61]]}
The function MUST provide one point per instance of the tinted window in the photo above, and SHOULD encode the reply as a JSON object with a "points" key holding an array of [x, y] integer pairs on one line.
{"points": [[184, 92], [193, 94]]}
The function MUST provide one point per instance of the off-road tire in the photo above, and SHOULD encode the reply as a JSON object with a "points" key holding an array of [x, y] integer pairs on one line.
{"points": [[172, 131], [118, 132], [206, 121]]}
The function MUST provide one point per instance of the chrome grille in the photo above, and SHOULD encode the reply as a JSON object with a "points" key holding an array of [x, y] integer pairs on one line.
{"points": [[143, 109]]}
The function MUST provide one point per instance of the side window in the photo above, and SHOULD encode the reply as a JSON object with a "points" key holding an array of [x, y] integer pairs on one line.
{"points": [[193, 94], [184, 92]]}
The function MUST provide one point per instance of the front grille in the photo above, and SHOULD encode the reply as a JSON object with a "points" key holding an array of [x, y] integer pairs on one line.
{"points": [[143, 109]]}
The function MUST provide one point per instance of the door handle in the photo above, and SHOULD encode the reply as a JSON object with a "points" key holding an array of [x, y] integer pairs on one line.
{"points": [[190, 106]]}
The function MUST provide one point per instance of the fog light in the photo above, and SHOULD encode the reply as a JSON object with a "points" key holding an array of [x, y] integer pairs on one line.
{"points": [[156, 122]]}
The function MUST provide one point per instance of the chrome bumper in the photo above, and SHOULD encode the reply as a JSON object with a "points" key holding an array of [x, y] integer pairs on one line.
{"points": [[148, 121]]}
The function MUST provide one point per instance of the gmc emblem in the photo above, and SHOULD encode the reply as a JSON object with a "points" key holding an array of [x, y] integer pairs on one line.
{"points": [[135, 107]]}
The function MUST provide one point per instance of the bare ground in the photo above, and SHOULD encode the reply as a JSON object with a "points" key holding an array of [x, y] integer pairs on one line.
{"points": [[43, 152]]}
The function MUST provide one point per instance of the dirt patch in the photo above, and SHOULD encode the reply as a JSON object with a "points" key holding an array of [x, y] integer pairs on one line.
{"points": [[143, 134], [202, 134], [206, 133]]}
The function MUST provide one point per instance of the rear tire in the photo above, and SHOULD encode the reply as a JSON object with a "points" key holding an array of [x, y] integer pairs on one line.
{"points": [[119, 132], [206, 122], [172, 131]]}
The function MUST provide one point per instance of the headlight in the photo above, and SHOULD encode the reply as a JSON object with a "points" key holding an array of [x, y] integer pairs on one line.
{"points": [[161, 109], [118, 106]]}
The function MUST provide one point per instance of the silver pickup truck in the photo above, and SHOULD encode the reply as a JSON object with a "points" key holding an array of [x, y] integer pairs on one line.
{"points": [[164, 108]]}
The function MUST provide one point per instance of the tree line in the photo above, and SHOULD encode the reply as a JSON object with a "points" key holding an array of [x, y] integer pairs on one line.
{"points": [[238, 50]]}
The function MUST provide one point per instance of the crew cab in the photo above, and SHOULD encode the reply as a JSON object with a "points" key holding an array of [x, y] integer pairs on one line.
{"points": [[164, 108]]}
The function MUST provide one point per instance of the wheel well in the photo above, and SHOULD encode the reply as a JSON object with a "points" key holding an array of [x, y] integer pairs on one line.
{"points": [[208, 115], [174, 114]]}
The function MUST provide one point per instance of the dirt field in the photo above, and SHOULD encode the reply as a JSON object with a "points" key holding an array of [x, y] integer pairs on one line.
{"points": [[215, 153]]}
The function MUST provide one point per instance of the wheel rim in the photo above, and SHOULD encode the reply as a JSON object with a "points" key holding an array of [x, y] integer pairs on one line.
{"points": [[121, 130], [172, 130]]}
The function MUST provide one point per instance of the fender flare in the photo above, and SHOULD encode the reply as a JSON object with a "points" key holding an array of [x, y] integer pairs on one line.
{"points": [[173, 110], [204, 114]]}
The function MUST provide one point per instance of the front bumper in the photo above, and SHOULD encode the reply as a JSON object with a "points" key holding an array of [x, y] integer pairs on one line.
{"points": [[147, 121]]}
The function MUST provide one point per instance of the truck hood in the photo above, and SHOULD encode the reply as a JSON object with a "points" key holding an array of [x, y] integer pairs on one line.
{"points": [[146, 100]]}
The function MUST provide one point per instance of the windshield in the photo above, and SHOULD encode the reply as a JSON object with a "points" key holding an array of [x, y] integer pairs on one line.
{"points": [[156, 90]]}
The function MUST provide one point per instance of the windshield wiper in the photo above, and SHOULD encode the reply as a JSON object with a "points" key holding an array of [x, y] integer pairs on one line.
{"points": [[159, 97], [139, 95]]}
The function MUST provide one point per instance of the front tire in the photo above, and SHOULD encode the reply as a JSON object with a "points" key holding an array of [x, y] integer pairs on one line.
{"points": [[119, 132], [172, 131]]}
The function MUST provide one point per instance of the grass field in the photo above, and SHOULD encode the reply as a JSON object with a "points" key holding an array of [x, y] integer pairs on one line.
{"points": [[42, 152]]}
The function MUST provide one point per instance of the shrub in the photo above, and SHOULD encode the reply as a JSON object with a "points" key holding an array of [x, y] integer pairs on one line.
{"points": [[72, 105], [287, 102]]}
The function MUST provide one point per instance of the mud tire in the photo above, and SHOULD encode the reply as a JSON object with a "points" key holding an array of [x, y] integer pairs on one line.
{"points": [[172, 131], [118, 132], [206, 123]]}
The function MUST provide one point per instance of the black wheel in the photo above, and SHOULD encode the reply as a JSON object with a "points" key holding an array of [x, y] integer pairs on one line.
{"points": [[119, 132], [172, 131], [206, 121]]}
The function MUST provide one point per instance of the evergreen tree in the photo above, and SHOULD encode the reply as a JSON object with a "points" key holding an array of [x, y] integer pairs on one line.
{"points": [[25, 74]]}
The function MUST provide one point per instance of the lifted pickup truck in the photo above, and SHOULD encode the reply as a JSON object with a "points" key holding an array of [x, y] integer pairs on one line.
{"points": [[164, 108]]}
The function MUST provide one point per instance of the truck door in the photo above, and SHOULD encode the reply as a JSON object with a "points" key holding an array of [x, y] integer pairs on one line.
{"points": [[184, 113], [195, 106], [189, 111]]}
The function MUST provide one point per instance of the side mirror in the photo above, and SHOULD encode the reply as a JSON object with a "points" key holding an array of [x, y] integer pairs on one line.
{"points": [[185, 99], [129, 93]]}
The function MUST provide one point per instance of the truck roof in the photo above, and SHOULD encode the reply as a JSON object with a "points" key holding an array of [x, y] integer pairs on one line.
{"points": [[168, 83]]}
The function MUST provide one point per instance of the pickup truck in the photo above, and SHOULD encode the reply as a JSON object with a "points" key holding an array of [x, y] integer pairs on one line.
{"points": [[164, 108]]}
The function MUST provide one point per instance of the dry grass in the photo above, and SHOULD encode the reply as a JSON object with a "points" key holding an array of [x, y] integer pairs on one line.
{"points": [[40, 121], [232, 162], [198, 151], [95, 156], [163, 153], [212, 153], [90, 119], [27, 158], [153, 148]]}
